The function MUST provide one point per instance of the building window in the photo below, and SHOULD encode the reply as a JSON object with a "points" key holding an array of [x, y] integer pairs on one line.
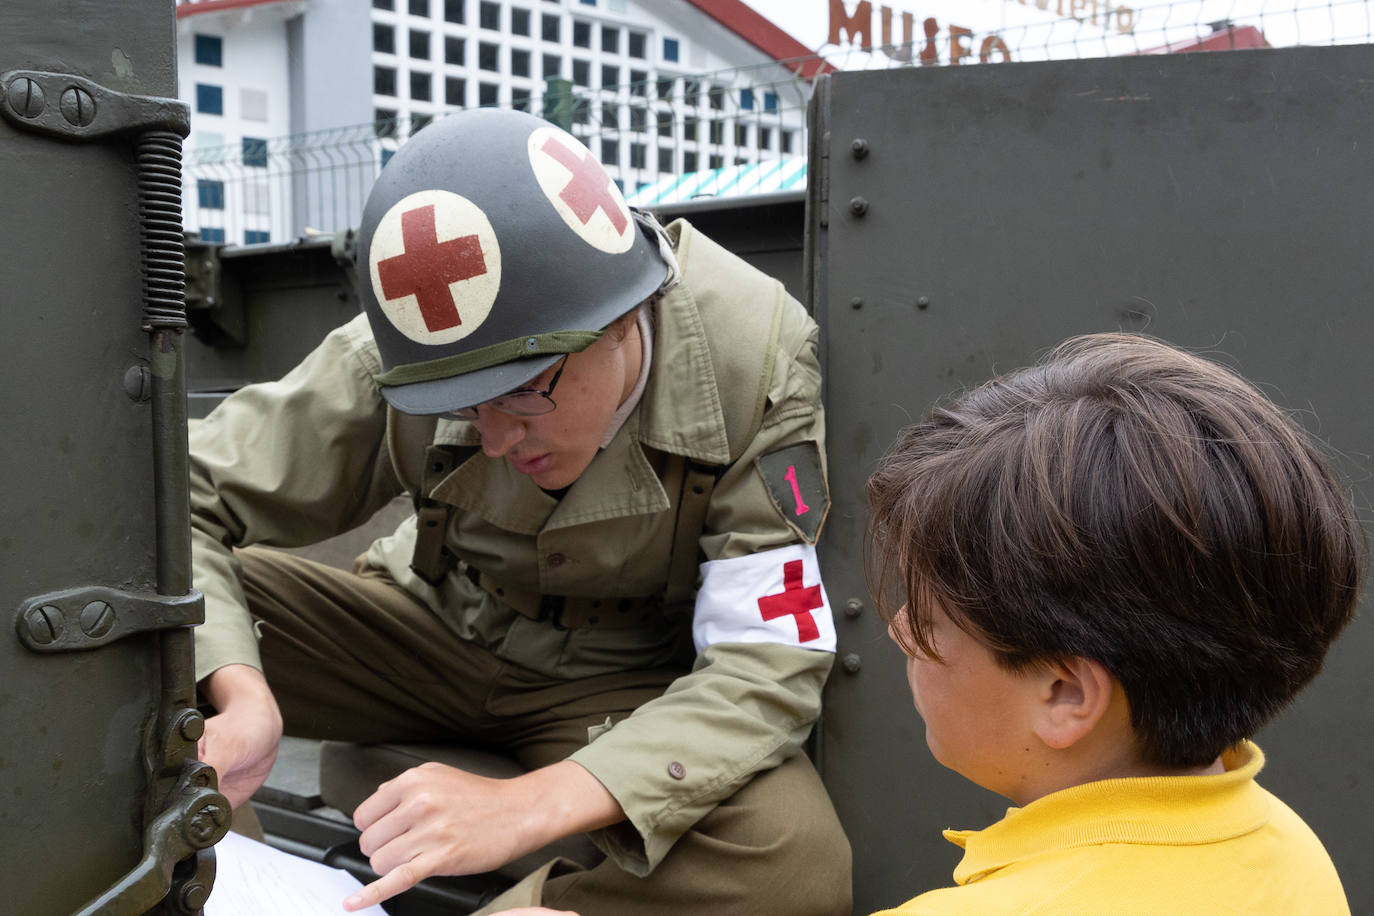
{"points": [[770, 101], [254, 152], [716, 96], [384, 80], [610, 76], [210, 194], [588, 2], [383, 38], [209, 99], [785, 140], [256, 236], [455, 50], [765, 137], [210, 50], [670, 50], [638, 119], [665, 159], [716, 161], [384, 4], [639, 83], [550, 27], [746, 100], [610, 40], [665, 88], [581, 111], [689, 161], [610, 116], [582, 73], [689, 128], [582, 34], [552, 64], [610, 151], [386, 156], [419, 8], [519, 62], [519, 21], [717, 132], [384, 122], [486, 93], [691, 93], [665, 124], [636, 42], [455, 91], [212, 234], [419, 44], [488, 56], [420, 84], [489, 15], [454, 11], [419, 122], [522, 100], [741, 135], [637, 152]]}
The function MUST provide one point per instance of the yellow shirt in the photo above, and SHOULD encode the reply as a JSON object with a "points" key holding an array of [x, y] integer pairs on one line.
{"points": [[1163, 845]]}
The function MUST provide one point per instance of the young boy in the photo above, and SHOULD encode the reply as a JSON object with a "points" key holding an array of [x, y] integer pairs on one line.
{"points": [[1113, 568]]}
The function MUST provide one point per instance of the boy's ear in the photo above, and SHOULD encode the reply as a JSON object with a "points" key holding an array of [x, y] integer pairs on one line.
{"points": [[1074, 696]]}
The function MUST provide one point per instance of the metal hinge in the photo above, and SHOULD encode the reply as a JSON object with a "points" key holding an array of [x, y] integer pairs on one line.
{"points": [[90, 617]]}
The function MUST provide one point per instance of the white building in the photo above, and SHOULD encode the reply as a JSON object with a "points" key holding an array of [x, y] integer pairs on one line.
{"points": [[297, 103]]}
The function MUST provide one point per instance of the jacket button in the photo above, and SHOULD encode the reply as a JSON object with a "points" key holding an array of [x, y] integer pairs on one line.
{"points": [[556, 559], [677, 770]]}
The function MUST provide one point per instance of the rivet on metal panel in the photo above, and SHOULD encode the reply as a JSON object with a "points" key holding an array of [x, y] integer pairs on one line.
{"points": [[26, 97], [856, 303], [138, 383], [853, 607], [45, 624], [852, 663], [859, 147], [77, 106], [97, 619], [923, 302], [858, 206]]}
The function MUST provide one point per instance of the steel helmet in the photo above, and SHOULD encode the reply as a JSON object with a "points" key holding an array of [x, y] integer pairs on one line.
{"points": [[492, 244]]}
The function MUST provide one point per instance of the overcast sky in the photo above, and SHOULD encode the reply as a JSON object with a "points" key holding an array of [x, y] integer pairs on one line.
{"points": [[1101, 27]]}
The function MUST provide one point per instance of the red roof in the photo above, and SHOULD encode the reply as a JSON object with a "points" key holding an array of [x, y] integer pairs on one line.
{"points": [[753, 27], [192, 7], [1225, 38]]}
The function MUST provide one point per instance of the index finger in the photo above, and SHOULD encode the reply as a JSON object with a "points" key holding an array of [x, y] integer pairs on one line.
{"points": [[401, 878]]}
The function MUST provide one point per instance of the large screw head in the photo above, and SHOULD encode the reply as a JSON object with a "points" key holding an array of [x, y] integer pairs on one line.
{"points": [[97, 619], [45, 624], [77, 106], [205, 824], [26, 97]]}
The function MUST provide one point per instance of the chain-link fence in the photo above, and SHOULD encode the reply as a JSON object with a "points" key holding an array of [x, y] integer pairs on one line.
{"points": [[734, 132]]}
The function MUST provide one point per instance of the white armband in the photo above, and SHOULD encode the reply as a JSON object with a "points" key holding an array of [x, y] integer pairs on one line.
{"points": [[772, 596]]}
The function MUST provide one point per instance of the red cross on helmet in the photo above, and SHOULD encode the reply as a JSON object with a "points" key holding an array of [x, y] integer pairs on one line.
{"points": [[492, 244]]}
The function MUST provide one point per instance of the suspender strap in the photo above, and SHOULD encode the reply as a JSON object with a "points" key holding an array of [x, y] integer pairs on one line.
{"points": [[432, 560], [698, 480]]}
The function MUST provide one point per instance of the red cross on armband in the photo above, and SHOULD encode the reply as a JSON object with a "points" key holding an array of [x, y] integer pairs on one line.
{"points": [[589, 188], [427, 266], [796, 600]]}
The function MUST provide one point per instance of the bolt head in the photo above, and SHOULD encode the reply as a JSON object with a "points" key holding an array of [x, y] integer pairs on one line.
{"points": [[858, 206], [194, 896], [852, 663], [853, 607], [859, 147], [26, 97], [191, 725]]}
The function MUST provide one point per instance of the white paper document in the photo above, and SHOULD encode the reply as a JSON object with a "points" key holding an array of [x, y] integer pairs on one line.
{"points": [[253, 879]]}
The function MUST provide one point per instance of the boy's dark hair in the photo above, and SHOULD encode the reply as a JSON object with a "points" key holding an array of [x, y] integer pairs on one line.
{"points": [[1134, 504]]}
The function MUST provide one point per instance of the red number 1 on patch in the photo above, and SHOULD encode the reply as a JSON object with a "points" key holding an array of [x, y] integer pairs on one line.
{"points": [[791, 477]]}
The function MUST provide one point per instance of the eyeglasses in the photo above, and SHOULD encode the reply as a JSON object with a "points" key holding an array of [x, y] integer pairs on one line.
{"points": [[522, 402]]}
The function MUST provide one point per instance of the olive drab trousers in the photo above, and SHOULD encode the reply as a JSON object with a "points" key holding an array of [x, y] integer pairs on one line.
{"points": [[353, 657]]}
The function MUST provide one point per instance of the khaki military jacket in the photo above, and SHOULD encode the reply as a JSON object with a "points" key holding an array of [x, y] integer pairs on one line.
{"points": [[293, 462]]}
